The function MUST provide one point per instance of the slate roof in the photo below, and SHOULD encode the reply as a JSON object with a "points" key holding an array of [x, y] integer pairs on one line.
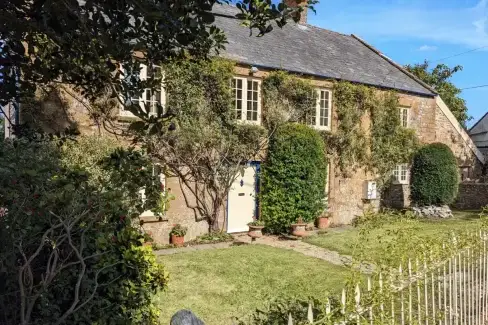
{"points": [[310, 50]]}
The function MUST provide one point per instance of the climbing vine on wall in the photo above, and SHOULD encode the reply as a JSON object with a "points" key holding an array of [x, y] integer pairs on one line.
{"points": [[287, 98], [391, 144], [385, 145]]}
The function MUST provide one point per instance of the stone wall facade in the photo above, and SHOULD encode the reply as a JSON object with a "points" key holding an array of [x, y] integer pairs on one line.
{"points": [[346, 194], [472, 196]]}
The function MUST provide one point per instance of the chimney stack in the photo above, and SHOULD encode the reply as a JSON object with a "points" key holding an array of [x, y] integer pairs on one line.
{"points": [[301, 3]]}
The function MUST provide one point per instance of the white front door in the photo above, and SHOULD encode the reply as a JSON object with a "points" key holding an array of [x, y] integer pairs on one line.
{"points": [[241, 203]]}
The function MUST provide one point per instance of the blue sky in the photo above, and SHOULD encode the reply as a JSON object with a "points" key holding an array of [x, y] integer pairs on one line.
{"points": [[409, 31]]}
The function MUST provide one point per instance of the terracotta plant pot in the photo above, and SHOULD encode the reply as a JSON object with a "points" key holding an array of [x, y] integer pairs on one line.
{"points": [[177, 240], [323, 222], [299, 229], [255, 232]]}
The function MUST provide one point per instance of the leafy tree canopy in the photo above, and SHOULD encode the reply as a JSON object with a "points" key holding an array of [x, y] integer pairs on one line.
{"points": [[86, 43], [439, 79]]}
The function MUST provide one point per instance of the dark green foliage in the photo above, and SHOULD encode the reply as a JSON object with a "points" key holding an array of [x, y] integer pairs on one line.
{"points": [[66, 235], [84, 43], [294, 175], [434, 175]]}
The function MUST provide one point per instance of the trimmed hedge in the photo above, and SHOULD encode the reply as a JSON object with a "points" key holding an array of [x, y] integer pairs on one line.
{"points": [[293, 179], [434, 176]]}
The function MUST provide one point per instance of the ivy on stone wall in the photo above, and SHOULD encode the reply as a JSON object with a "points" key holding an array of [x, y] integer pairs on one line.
{"points": [[287, 98], [391, 143], [385, 145]]}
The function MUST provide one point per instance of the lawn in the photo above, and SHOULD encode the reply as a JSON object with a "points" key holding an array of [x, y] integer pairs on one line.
{"points": [[348, 241], [221, 283]]}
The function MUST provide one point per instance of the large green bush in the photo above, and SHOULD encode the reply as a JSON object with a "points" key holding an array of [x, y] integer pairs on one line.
{"points": [[434, 176], [294, 176], [76, 246]]}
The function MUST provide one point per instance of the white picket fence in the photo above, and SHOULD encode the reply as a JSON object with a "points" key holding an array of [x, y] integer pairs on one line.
{"points": [[453, 291]]}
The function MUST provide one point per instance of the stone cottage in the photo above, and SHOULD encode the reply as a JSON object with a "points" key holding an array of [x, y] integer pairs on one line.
{"points": [[323, 57]]}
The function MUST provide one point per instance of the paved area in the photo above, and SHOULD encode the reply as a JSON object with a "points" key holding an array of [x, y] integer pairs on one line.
{"points": [[300, 247], [278, 242]]}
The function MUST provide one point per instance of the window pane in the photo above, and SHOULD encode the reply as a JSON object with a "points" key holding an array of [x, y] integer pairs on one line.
{"points": [[237, 93], [158, 97], [252, 100]]}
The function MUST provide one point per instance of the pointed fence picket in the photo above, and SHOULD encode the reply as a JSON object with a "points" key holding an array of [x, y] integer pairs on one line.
{"points": [[450, 292]]}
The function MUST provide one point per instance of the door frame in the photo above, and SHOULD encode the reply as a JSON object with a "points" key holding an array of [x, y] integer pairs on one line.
{"points": [[257, 167]]}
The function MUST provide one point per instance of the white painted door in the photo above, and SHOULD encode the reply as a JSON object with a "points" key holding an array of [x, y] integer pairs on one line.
{"points": [[241, 203]]}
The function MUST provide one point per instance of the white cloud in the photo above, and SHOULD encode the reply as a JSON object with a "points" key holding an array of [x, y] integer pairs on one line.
{"points": [[461, 26], [425, 48]]}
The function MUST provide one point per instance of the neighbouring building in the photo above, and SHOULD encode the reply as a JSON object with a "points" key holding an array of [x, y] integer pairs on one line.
{"points": [[323, 56], [479, 134]]}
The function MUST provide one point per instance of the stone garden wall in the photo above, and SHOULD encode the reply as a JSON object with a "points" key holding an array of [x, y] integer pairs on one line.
{"points": [[472, 196]]}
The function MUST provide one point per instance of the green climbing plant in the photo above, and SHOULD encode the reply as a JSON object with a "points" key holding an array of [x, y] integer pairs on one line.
{"points": [[379, 145]]}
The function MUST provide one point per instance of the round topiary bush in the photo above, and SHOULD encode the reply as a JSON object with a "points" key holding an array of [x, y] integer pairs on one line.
{"points": [[293, 179], [434, 176]]}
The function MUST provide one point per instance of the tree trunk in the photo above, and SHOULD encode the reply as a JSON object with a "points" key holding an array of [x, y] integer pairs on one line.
{"points": [[214, 218]]}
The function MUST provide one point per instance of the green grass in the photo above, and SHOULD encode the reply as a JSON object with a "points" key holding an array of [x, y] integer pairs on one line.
{"points": [[348, 241], [221, 283]]}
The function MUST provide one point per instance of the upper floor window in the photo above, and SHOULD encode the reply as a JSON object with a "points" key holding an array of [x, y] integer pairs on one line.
{"points": [[321, 116], [404, 117], [247, 99], [400, 174], [150, 98]]}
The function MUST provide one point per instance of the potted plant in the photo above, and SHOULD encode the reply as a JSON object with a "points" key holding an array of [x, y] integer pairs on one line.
{"points": [[323, 220], [178, 235], [255, 229], [299, 228]]}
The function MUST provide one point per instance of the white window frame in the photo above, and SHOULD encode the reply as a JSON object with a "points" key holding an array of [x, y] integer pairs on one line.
{"points": [[401, 174], [404, 121], [244, 99], [142, 99], [318, 108]]}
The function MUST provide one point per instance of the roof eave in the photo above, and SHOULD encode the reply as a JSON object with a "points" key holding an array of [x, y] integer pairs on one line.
{"points": [[430, 95]]}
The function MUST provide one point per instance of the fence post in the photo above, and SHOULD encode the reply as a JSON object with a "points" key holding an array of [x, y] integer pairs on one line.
{"points": [[310, 313], [410, 318], [371, 304], [358, 306], [290, 319]]}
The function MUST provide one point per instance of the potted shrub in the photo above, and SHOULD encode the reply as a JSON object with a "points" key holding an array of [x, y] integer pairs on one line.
{"points": [[178, 235], [255, 229], [299, 228], [323, 220]]}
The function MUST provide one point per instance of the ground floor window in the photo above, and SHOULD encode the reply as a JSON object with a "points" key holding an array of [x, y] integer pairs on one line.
{"points": [[400, 174]]}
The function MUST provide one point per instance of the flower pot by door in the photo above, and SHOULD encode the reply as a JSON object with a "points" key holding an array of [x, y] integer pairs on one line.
{"points": [[323, 222], [299, 229], [177, 240], [255, 232]]}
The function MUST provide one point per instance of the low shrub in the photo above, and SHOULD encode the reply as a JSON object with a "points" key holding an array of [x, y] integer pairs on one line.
{"points": [[213, 237], [293, 178], [178, 230], [434, 176]]}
